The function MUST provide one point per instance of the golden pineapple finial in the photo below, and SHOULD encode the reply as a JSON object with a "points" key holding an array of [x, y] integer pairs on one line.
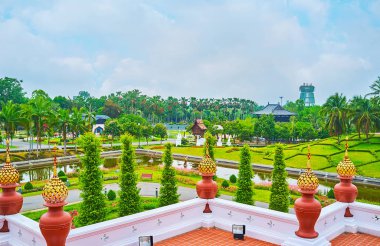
{"points": [[8, 174], [308, 165]]}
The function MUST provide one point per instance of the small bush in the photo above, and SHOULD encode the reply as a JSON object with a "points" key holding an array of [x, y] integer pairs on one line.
{"points": [[28, 186], [111, 178], [225, 184], [63, 178], [214, 177], [233, 149], [61, 173], [184, 141], [330, 194], [111, 195], [110, 162], [233, 179]]}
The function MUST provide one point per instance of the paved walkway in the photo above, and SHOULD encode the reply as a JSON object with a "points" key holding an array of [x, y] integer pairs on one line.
{"points": [[147, 189]]}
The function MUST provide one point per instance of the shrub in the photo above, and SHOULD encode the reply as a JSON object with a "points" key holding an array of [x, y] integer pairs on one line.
{"points": [[63, 178], [110, 162], [233, 179], [168, 191], [184, 141], [330, 194], [244, 193], [279, 197], [111, 195], [28, 186], [61, 173], [233, 149], [214, 177], [225, 184]]}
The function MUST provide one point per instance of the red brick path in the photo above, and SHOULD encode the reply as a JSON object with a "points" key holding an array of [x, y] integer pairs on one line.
{"points": [[209, 237], [356, 239]]}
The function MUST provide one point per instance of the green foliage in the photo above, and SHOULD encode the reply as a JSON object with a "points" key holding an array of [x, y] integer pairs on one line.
{"points": [[160, 130], [210, 142], [168, 191], [214, 177], [63, 178], [92, 209], [184, 141], [130, 201], [279, 198], [330, 194], [61, 173], [110, 162], [265, 127], [111, 195], [233, 179], [113, 127], [225, 184], [11, 90], [244, 194], [28, 186]]}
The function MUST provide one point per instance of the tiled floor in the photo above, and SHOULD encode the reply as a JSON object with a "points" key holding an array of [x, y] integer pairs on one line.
{"points": [[209, 237], [347, 239]]}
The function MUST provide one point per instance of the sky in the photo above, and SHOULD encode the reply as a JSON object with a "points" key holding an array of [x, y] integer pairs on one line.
{"points": [[258, 50]]}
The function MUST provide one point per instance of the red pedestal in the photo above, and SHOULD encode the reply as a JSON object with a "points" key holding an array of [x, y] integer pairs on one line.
{"points": [[207, 188], [10, 200], [345, 191], [55, 225], [307, 211]]}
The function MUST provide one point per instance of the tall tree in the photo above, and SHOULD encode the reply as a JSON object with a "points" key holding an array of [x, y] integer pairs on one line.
{"points": [[63, 125], [41, 108], [160, 130], [279, 197], [168, 190], [244, 193], [93, 207], [130, 202], [335, 113], [10, 117], [11, 90], [375, 88]]}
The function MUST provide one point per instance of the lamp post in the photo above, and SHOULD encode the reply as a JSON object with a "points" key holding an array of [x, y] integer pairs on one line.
{"points": [[139, 135]]}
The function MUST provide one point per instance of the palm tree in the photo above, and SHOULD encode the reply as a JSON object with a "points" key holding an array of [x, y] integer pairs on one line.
{"points": [[10, 117], [77, 123], [63, 124], [335, 112], [40, 111], [364, 113], [27, 123], [375, 87]]}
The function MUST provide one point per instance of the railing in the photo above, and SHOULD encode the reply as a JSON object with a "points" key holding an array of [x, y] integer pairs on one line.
{"points": [[23, 231]]}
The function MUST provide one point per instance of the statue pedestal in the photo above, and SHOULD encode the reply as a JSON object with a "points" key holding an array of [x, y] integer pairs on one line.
{"points": [[55, 224], [307, 211], [207, 188], [10, 200]]}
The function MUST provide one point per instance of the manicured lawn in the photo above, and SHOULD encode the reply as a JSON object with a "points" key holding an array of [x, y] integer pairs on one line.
{"points": [[366, 146], [321, 149], [370, 170], [111, 206], [299, 161], [356, 157]]}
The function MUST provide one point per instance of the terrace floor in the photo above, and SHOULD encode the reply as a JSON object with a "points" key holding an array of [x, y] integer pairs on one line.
{"points": [[209, 237], [356, 239]]}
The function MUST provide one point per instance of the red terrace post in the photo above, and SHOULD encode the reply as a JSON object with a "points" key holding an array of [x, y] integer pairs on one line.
{"points": [[55, 224], [345, 191], [307, 208], [207, 188], [10, 200]]}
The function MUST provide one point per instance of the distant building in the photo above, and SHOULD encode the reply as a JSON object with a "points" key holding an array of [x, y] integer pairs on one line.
{"points": [[307, 94], [280, 114], [198, 128], [100, 120]]}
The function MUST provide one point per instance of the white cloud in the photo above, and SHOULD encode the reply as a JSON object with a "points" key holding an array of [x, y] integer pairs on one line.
{"points": [[253, 49]]}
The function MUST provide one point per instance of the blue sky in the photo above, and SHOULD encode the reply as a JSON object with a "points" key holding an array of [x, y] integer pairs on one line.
{"points": [[240, 48]]}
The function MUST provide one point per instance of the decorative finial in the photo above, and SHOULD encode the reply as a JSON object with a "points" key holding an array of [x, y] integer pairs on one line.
{"points": [[8, 158], [308, 165], [346, 154], [55, 161]]}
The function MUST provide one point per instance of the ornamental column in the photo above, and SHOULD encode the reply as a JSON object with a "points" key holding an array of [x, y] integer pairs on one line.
{"points": [[10, 200], [207, 188], [55, 224], [307, 208], [345, 191]]}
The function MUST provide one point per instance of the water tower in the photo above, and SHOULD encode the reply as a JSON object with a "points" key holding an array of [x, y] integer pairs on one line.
{"points": [[307, 94]]}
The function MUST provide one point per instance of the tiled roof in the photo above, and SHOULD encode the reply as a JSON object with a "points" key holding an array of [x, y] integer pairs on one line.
{"points": [[274, 109], [355, 239], [200, 123], [209, 237]]}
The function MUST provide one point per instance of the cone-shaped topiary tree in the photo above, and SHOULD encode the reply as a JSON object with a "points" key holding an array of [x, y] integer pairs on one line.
{"points": [[279, 197], [168, 190], [130, 202], [210, 142], [93, 207], [244, 193]]}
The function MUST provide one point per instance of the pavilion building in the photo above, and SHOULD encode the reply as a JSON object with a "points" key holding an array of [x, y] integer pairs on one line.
{"points": [[280, 114]]}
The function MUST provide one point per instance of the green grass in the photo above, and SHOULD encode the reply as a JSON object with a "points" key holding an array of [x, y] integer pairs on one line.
{"points": [[366, 146], [148, 203], [299, 161], [369, 170], [321, 149], [358, 158]]}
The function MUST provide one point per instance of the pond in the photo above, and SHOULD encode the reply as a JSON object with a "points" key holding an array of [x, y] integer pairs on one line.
{"points": [[369, 193]]}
